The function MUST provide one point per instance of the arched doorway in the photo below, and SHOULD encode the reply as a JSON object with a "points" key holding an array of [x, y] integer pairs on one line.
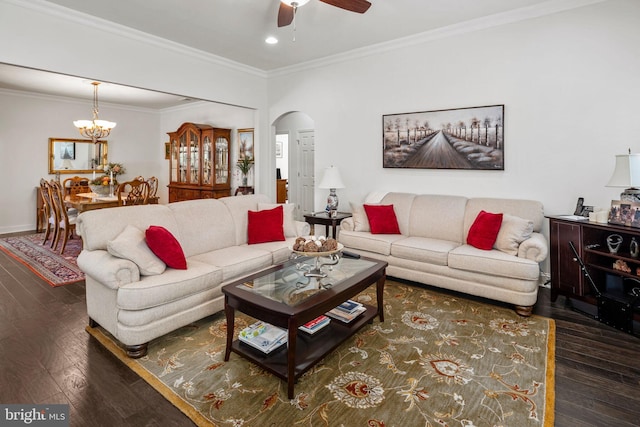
{"points": [[294, 151]]}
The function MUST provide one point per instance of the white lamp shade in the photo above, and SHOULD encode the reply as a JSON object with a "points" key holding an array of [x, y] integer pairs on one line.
{"points": [[627, 171], [331, 178]]}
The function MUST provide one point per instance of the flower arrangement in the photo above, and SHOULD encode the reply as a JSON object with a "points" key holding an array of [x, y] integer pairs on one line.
{"points": [[115, 169]]}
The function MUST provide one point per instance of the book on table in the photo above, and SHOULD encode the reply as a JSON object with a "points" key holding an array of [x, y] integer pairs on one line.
{"points": [[349, 306], [315, 325], [263, 336], [345, 317]]}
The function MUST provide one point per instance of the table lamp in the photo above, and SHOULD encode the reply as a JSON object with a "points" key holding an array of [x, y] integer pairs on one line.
{"points": [[331, 180], [627, 175]]}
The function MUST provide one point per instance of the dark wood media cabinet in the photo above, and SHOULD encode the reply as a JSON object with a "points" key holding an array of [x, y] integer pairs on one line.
{"points": [[590, 241]]}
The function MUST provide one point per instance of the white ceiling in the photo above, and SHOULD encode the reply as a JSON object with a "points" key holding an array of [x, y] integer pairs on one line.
{"points": [[236, 30]]}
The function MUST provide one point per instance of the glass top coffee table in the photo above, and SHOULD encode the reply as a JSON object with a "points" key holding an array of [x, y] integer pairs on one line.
{"points": [[284, 297]]}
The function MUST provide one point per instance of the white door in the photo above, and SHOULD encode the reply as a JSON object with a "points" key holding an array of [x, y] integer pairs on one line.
{"points": [[305, 173]]}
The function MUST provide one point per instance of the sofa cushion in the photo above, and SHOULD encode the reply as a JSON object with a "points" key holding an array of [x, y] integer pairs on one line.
{"points": [[131, 245], [172, 285], [424, 249], [237, 261], [203, 225], [493, 262], [513, 231], [265, 226], [360, 221], [364, 240], [166, 247], [288, 219], [237, 207], [382, 219], [484, 230], [437, 217], [402, 203]]}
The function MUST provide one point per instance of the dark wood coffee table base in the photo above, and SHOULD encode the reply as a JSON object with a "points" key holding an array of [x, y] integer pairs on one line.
{"points": [[302, 351]]}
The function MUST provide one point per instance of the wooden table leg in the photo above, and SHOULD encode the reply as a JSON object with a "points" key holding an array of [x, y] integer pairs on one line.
{"points": [[230, 314], [291, 358], [380, 294]]}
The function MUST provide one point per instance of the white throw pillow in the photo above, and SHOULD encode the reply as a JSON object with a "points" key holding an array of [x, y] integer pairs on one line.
{"points": [[360, 219], [513, 231], [131, 245], [289, 222]]}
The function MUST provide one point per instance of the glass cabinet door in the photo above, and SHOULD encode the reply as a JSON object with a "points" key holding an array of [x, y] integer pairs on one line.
{"points": [[207, 160], [182, 159], [173, 150], [194, 158], [222, 160]]}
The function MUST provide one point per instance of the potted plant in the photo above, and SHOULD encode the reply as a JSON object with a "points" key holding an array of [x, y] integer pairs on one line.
{"points": [[245, 164]]}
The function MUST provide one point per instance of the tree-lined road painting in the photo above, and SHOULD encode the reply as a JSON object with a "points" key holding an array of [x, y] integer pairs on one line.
{"points": [[465, 138]]}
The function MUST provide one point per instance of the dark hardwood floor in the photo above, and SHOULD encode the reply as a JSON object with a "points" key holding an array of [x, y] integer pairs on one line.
{"points": [[47, 357]]}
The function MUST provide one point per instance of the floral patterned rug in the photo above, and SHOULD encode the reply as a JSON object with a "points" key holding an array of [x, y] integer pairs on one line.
{"points": [[437, 360], [55, 269]]}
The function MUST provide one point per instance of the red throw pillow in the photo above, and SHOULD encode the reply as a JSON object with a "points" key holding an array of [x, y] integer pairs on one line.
{"points": [[382, 219], [265, 226], [484, 230], [166, 247]]}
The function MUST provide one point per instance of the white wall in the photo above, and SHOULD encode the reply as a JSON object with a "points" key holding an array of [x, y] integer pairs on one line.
{"points": [[569, 82]]}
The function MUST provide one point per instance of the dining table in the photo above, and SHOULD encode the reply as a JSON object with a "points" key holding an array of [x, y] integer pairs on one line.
{"points": [[83, 202]]}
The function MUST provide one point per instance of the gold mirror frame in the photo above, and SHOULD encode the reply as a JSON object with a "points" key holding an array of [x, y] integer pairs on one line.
{"points": [[74, 156]]}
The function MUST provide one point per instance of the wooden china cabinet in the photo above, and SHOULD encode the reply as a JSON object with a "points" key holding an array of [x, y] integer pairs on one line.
{"points": [[199, 164]]}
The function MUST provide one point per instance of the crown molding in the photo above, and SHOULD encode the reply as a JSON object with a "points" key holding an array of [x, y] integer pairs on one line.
{"points": [[77, 17], [83, 102], [522, 14]]}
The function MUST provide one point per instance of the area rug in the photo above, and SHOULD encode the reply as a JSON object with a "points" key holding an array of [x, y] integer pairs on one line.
{"points": [[55, 269], [437, 360]]}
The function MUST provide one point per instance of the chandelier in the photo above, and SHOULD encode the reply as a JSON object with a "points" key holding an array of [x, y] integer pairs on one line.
{"points": [[94, 129]]}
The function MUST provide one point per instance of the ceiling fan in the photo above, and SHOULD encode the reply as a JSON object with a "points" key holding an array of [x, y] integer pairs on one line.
{"points": [[288, 8]]}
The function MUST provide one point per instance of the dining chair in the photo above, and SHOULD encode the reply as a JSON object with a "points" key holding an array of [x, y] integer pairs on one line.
{"points": [[134, 192], [65, 223], [48, 211], [153, 184], [75, 185]]}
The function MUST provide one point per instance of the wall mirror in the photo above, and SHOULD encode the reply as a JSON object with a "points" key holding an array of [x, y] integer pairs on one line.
{"points": [[75, 156]]}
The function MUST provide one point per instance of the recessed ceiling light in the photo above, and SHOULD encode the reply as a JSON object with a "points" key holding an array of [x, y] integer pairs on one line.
{"points": [[271, 40]]}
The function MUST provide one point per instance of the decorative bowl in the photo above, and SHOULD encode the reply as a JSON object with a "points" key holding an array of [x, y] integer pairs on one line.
{"points": [[102, 190], [320, 254]]}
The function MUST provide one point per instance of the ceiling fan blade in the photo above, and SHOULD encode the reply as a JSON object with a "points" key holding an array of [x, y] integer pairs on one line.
{"points": [[285, 15], [358, 6]]}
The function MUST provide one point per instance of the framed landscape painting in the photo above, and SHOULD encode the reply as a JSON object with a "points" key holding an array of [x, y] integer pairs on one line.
{"points": [[460, 138], [245, 144]]}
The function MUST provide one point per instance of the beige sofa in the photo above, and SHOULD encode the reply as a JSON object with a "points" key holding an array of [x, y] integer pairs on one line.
{"points": [[432, 248], [137, 308]]}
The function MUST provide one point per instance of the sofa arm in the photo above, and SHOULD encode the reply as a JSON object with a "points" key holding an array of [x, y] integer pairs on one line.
{"points": [[302, 228], [103, 267], [347, 224], [534, 248]]}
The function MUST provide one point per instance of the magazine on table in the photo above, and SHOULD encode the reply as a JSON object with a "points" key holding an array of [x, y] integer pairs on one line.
{"points": [[263, 336]]}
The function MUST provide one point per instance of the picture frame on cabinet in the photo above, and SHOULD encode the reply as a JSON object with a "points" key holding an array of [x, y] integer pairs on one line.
{"points": [[625, 213], [167, 151], [245, 144], [469, 138]]}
